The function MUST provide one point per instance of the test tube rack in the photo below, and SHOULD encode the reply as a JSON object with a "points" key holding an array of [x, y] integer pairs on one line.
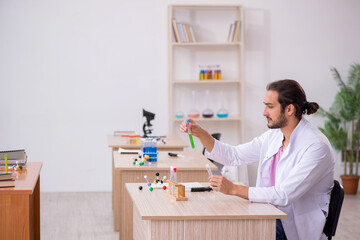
{"points": [[179, 191], [149, 148]]}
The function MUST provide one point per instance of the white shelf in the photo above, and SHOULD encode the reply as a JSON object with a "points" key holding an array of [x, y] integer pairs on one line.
{"points": [[220, 44], [206, 6], [211, 25], [213, 119], [206, 81]]}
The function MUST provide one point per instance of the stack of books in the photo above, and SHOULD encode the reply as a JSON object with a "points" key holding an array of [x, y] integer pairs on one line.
{"points": [[13, 157], [183, 32], [6, 180], [234, 31]]}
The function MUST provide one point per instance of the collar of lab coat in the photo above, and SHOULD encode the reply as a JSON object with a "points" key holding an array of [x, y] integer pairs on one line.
{"points": [[278, 139]]}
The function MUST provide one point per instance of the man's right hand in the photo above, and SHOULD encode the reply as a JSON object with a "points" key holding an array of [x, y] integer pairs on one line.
{"points": [[205, 138], [194, 127]]}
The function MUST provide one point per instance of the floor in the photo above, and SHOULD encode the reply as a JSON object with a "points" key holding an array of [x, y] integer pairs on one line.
{"points": [[72, 216]]}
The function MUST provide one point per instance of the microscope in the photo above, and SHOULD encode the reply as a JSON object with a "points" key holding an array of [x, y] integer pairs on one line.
{"points": [[146, 127]]}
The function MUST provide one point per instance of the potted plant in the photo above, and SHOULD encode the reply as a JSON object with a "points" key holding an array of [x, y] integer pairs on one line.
{"points": [[342, 126]]}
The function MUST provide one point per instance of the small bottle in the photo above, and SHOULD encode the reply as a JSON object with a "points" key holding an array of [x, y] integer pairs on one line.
{"points": [[201, 73], [219, 72], [209, 73]]}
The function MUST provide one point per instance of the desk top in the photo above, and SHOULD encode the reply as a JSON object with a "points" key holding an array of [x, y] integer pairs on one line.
{"points": [[156, 205], [172, 141], [191, 161], [25, 180]]}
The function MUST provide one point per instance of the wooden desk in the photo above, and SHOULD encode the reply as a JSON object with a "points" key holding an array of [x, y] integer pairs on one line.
{"points": [[20, 205], [206, 215], [125, 172], [173, 143]]}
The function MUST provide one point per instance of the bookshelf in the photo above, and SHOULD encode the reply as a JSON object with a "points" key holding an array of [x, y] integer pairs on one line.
{"points": [[211, 25]]}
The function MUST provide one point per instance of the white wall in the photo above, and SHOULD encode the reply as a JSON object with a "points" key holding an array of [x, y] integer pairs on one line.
{"points": [[73, 71]]}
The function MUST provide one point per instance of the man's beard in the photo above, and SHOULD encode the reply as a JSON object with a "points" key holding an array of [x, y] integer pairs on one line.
{"points": [[281, 122]]}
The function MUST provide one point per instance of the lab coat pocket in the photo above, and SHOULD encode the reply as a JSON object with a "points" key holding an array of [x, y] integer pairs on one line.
{"points": [[313, 220]]}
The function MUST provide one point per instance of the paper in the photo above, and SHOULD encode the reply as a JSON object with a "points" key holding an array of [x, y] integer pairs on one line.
{"points": [[126, 151]]}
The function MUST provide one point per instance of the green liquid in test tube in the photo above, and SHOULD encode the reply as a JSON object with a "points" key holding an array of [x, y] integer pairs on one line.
{"points": [[190, 135]]}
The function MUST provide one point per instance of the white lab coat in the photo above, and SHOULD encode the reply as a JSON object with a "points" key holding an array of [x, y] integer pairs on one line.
{"points": [[304, 176]]}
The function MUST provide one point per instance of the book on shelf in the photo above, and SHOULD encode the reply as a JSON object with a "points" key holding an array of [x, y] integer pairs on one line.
{"points": [[236, 30], [176, 30], [185, 33], [5, 176], [10, 183], [231, 33], [181, 32], [188, 32], [13, 156], [192, 34]]}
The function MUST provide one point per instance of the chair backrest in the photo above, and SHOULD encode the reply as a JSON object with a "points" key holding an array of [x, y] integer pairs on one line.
{"points": [[216, 136], [336, 200]]}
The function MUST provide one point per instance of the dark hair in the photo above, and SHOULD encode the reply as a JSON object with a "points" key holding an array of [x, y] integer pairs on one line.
{"points": [[290, 92]]}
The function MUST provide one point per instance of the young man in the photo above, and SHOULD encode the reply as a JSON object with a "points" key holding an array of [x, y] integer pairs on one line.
{"points": [[296, 163]]}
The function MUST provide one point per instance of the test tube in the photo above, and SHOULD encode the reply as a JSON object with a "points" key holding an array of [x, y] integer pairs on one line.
{"points": [[190, 134], [173, 178], [208, 169], [6, 163]]}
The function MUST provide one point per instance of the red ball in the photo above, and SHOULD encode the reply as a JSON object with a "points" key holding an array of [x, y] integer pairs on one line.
{"points": [[164, 187]]}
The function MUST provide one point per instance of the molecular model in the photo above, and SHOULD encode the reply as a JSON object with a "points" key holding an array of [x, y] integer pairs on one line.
{"points": [[16, 167], [152, 184], [141, 160]]}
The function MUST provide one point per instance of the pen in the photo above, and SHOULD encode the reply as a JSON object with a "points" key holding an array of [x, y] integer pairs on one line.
{"points": [[175, 155], [201, 189], [190, 135]]}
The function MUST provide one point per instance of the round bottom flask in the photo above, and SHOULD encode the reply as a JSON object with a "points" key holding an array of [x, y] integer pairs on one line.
{"points": [[207, 113], [179, 114], [222, 113], [193, 113]]}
